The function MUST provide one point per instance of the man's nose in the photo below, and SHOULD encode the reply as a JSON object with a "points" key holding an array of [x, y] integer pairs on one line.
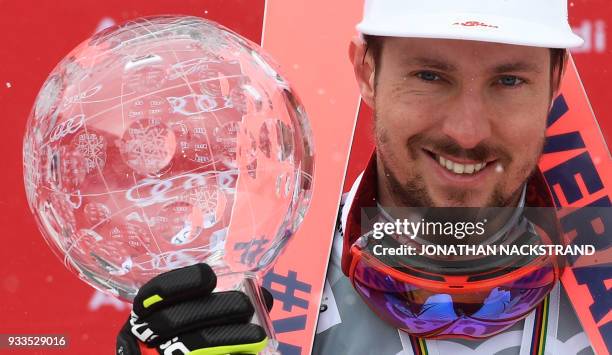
{"points": [[467, 119]]}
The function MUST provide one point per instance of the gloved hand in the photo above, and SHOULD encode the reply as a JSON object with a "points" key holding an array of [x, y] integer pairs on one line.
{"points": [[177, 313]]}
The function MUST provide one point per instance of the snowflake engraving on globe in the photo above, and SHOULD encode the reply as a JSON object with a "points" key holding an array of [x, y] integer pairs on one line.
{"points": [[162, 143]]}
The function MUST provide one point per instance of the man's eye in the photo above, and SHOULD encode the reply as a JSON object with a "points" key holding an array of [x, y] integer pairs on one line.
{"points": [[510, 80], [428, 76]]}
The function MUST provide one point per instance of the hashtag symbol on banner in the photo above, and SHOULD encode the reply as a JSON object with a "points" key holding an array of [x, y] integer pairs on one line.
{"points": [[291, 284]]}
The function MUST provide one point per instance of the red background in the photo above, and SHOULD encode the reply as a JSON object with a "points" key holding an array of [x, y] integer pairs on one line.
{"points": [[38, 295]]}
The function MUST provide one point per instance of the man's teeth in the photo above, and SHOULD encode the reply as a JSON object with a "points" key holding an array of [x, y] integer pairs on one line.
{"points": [[458, 168]]}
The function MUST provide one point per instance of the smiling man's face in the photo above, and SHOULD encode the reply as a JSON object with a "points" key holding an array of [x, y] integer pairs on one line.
{"points": [[457, 123]]}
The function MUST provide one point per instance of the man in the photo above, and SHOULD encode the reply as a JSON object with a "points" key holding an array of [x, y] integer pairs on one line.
{"points": [[460, 91]]}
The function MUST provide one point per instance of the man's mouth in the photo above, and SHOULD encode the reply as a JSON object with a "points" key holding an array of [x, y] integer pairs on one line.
{"points": [[460, 168]]}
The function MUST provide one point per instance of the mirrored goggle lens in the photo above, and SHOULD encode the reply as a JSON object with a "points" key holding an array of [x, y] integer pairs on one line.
{"points": [[467, 313]]}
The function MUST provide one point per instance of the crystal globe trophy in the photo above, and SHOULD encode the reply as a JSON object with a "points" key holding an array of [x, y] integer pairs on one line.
{"points": [[166, 142]]}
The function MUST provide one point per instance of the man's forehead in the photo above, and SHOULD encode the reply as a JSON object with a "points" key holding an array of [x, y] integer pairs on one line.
{"points": [[452, 55]]}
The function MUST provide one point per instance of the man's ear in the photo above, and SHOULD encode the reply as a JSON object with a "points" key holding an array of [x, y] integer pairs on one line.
{"points": [[558, 78], [363, 66]]}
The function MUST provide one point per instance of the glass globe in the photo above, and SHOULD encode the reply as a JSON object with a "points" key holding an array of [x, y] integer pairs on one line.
{"points": [[165, 142]]}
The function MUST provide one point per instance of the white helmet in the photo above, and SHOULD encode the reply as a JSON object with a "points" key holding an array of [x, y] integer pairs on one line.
{"points": [[537, 23]]}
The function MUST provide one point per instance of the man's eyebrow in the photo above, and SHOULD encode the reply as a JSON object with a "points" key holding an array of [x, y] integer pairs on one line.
{"points": [[432, 64], [516, 67]]}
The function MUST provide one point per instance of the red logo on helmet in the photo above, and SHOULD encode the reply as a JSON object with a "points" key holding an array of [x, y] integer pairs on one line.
{"points": [[474, 24]]}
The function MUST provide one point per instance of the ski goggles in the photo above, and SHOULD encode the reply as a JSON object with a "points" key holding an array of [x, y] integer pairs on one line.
{"points": [[435, 299]]}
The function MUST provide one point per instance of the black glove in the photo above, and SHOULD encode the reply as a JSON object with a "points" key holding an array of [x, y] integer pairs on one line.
{"points": [[176, 313]]}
